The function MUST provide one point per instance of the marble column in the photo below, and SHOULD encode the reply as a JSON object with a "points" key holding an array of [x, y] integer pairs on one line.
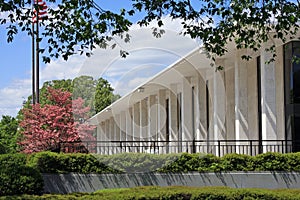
{"points": [[173, 119], [279, 71], [161, 120], [111, 137], [129, 130], [268, 99], [100, 137], [107, 137], [136, 126], [123, 136], [241, 101], [144, 123], [187, 132], [229, 79], [219, 104], [202, 126], [117, 132], [153, 108]]}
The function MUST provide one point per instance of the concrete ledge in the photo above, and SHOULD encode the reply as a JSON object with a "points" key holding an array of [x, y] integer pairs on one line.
{"points": [[73, 182]]}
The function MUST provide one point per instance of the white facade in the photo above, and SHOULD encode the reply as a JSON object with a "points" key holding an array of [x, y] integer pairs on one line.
{"points": [[191, 107]]}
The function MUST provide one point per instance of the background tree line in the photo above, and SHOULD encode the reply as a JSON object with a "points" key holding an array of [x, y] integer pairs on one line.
{"points": [[83, 95]]}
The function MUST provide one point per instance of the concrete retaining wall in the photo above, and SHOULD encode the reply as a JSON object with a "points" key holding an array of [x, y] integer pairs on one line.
{"points": [[67, 183]]}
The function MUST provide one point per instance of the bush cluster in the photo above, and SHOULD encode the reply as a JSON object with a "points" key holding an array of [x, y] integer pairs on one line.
{"points": [[234, 162], [16, 177], [21, 174], [49, 162]]}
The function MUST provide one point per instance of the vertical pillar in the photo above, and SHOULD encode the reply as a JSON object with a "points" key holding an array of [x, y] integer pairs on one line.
{"points": [[123, 133], [144, 119], [202, 127], [106, 140], [219, 102], [179, 120], [117, 132], [173, 119], [197, 107], [129, 131], [210, 108], [144, 124], [136, 126], [102, 137], [187, 132], [279, 71], [153, 130], [161, 119], [100, 134], [111, 136], [241, 101], [153, 117], [268, 95], [230, 100]]}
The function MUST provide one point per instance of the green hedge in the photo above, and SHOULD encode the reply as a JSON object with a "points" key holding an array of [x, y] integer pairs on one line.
{"points": [[49, 162], [174, 192], [21, 174], [18, 178]]}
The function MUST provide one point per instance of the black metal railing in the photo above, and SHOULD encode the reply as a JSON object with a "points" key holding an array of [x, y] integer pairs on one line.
{"points": [[216, 147]]}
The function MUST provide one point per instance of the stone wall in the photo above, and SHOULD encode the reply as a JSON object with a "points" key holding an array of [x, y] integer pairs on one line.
{"points": [[68, 183]]}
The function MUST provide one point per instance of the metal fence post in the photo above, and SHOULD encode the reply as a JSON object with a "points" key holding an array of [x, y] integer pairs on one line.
{"points": [[219, 148], [251, 153], [194, 146]]}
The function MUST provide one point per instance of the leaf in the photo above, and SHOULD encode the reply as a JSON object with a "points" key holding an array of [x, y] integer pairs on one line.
{"points": [[113, 46], [123, 53]]}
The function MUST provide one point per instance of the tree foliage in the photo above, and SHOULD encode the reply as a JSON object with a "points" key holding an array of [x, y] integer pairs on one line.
{"points": [[85, 87], [52, 126], [246, 24], [73, 26], [8, 134], [64, 85], [104, 95], [85, 25]]}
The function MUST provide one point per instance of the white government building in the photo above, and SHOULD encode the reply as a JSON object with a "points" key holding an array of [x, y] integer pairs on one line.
{"points": [[249, 107]]}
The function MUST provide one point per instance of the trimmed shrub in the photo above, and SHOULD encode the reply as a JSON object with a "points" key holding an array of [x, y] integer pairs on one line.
{"points": [[209, 162], [18, 178], [270, 162], [50, 162], [293, 161], [237, 162], [45, 162], [192, 162], [181, 163], [136, 162]]}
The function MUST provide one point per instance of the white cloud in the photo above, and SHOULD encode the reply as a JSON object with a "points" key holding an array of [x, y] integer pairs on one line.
{"points": [[61, 69], [12, 97], [148, 55], [144, 50]]}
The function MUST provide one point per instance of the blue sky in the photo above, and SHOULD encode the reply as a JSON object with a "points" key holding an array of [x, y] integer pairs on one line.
{"points": [[16, 56], [148, 56]]}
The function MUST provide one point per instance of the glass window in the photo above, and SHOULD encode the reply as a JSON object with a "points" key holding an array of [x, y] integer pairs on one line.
{"points": [[292, 92]]}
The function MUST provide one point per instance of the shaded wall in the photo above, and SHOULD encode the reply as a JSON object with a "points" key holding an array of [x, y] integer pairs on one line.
{"points": [[68, 183]]}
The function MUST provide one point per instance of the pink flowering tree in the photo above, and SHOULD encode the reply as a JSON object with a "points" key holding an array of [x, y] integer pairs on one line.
{"points": [[57, 126]]}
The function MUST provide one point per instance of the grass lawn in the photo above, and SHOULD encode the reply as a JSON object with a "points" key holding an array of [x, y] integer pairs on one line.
{"points": [[173, 192]]}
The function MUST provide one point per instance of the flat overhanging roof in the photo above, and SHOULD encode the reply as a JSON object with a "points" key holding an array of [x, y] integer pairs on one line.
{"points": [[194, 62]]}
